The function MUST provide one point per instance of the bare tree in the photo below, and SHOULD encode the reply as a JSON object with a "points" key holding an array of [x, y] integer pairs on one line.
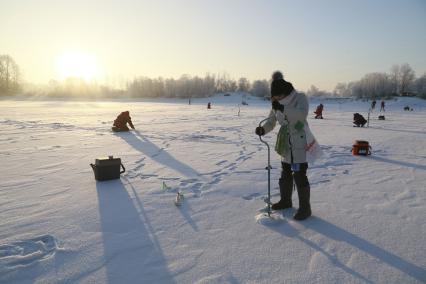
{"points": [[9, 75], [395, 76], [420, 85], [232, 86], [315, 92], [243, 85], [407, 77], [209, 85], [402, 77], [260, 88], [221, 82], [225, 84], [342, 90], [170, 88]]}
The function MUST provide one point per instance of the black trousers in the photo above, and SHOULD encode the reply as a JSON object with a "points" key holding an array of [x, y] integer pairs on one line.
{"points": [[299, 176]]}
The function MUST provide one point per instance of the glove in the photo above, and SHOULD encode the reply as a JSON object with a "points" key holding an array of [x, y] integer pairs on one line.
{"points": [[277, 106], [260, 131]]}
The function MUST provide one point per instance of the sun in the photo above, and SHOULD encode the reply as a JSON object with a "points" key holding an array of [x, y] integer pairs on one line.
{"points": [[78, 65]]}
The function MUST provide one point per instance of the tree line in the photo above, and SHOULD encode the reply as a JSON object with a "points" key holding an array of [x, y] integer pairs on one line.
{"points": [[192, 87], [144, 87], [401, 80], [9, 75]]}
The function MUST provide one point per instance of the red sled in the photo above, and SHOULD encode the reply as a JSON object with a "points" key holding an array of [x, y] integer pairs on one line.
{"points": [[361, 147]]}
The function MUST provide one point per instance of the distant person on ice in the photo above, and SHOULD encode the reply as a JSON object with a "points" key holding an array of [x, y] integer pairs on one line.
{"points": [[318, 111], [294, 141], [120, 123], [373, 104], [382, 106], [359, 120]]}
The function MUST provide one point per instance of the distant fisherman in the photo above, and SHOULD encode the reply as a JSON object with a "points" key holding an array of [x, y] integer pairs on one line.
{"points": [[373, 104], [318, 111], [120, 123]]}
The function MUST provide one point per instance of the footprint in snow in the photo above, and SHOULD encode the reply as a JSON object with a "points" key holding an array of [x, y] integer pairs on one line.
{"points": [[26, 252], [252, 196]]}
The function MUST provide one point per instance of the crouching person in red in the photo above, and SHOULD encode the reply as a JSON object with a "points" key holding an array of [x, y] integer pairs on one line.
{"points": [[120, 123], [318, 111]]}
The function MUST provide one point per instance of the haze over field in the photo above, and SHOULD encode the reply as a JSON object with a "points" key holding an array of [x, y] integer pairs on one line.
{"points": [[319, 43]]}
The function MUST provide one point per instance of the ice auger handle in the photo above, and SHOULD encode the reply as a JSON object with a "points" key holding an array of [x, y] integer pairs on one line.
{"points": [[267, 168]]}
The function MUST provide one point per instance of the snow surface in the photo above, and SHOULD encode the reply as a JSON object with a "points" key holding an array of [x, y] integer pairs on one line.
{"points": [[58, 225]]}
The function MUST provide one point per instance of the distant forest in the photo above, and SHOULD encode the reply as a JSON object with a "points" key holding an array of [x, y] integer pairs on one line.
{"points": [[400, 81]]}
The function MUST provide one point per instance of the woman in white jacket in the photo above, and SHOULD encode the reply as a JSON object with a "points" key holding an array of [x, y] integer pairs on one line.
{"points": [[294, 142]]}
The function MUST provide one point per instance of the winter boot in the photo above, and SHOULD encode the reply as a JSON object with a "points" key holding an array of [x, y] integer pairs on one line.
{"points": [[286, 190], [304, 210]]}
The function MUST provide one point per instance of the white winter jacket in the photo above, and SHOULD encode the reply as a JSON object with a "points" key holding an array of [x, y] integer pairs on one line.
{"points": [[301, 140]]}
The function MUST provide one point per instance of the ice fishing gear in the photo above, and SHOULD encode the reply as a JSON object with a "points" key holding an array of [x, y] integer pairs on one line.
{"points": [[179, 195], [268, 200], [165, 186], [368, 119], [361, 147], [107, 168], [179, 198]]}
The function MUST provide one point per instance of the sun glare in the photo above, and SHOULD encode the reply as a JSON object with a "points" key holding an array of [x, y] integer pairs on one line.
{"points": [[78, 65]]}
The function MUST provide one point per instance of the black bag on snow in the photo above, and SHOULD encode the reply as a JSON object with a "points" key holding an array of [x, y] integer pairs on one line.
{"points": [[107, 168]]}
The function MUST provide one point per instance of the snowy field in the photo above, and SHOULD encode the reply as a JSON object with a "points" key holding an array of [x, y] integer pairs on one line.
{"points": [[58, 225]]}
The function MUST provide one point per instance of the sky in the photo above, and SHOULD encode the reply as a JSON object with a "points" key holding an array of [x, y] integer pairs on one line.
{"points": [[321, 43]]}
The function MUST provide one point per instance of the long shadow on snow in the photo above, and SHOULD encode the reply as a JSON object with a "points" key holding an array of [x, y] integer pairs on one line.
{"points": [[333, 232], [183, 210], [399, 163], [131, 250], [399, 130], [143, 145]]}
